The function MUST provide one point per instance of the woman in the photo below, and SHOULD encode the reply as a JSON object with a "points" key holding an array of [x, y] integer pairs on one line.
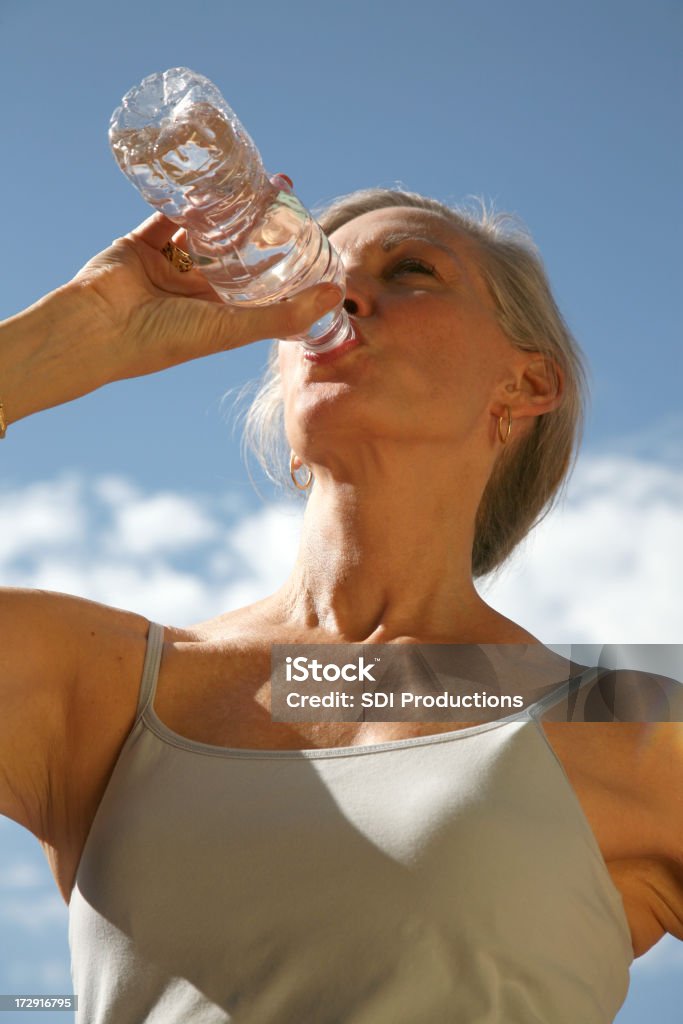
{"points": [[221, 866]]}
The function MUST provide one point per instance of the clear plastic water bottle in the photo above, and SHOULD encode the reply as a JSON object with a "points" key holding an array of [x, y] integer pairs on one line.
{"points": [[183, 148]]}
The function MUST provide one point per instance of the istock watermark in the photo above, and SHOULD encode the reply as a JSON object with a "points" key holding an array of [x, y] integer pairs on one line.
{"points": [[303, 670], [476, 682]]}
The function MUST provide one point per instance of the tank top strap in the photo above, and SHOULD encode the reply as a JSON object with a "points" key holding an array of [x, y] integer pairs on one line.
{"points": [[567, 691], [150, 669]]}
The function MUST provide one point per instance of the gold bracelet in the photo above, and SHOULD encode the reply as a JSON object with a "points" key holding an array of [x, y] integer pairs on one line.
{"points": [[3, 422]]}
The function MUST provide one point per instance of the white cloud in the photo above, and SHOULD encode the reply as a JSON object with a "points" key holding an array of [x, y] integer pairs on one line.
{"points": [[606, 566], [148, 586], [115, 490], [42, 515], [33, 914], [21, 875], [267, 543], [162, 522], [167, 555]]}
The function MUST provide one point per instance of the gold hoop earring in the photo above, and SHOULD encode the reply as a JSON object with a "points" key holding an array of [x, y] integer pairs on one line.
{"points": [[504, 438], [292, 472]]}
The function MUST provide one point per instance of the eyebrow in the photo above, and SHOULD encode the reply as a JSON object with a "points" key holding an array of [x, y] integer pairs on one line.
{"points": [[397, 237]]}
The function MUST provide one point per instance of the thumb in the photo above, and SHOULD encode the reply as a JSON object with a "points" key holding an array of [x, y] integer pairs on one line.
{"points": [[293, 315]]}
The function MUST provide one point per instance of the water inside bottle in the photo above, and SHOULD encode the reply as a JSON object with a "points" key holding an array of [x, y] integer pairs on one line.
{"points": [[181, 145]]}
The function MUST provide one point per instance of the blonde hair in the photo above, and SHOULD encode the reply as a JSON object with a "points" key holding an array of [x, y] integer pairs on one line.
{"points": [[530, 472]]}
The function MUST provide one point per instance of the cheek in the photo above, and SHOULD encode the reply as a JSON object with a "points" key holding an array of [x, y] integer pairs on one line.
{"points": [[462, 349], [443, 354], [286, 367]]}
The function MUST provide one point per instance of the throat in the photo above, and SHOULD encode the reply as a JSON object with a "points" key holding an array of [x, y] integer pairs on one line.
{"points": [[377, 562]]}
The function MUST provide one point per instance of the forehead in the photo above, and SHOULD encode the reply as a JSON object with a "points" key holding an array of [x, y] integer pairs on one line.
{"points": [[381, 227]]}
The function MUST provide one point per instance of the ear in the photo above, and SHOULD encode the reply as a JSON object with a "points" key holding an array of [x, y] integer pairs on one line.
{"points": [[537, 387]]}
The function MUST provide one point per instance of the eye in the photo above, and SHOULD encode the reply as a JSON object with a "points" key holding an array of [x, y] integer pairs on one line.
{"points": [[410, 265]]}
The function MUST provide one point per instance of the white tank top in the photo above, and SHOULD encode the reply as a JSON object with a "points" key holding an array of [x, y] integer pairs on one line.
{"points": [[448, 878]]}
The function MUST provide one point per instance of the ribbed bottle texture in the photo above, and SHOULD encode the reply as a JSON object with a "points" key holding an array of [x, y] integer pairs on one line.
{"points": [[183, 148]]}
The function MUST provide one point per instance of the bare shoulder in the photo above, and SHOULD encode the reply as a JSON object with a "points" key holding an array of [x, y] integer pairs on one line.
{"points": [[58, 656], [252, 620], [233, 646], [626, 727]]}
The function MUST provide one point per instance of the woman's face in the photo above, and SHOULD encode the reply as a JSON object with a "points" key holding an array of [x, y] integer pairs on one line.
{"points": [[432, 364]]}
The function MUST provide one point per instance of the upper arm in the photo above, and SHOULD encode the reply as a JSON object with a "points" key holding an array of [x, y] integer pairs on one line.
{"points": [[50, 646], [37, 666], [672, 790], [660, 752]]}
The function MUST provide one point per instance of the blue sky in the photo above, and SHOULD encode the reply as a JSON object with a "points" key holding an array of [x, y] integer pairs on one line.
{"points": [[567, 115]]}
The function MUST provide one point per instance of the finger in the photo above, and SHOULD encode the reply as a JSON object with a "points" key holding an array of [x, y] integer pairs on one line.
{"points": [[155, 231], [282, 319], [180, 238]]}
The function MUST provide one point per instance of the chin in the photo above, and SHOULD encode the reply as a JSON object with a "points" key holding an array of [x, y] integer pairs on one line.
{"points": [[328, 411]]}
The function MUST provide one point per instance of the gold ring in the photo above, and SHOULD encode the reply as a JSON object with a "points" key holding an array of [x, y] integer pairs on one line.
{"points": [[181, 260]]}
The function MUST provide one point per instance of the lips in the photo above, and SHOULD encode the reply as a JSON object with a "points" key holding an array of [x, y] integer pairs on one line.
{"points": [[335, 353]]}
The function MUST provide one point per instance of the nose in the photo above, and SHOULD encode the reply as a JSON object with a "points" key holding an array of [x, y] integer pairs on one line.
{"points": [[360, 292]]}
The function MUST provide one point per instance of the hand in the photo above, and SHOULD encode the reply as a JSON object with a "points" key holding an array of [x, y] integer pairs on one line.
{"points": [[152, 316], [127, 313]]}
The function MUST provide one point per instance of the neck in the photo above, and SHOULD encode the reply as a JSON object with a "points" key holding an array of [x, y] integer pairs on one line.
{"points": [[383, 557]]}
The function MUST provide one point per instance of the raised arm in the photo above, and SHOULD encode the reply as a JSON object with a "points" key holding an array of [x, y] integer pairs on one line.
{"points": [[127, 313]]}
